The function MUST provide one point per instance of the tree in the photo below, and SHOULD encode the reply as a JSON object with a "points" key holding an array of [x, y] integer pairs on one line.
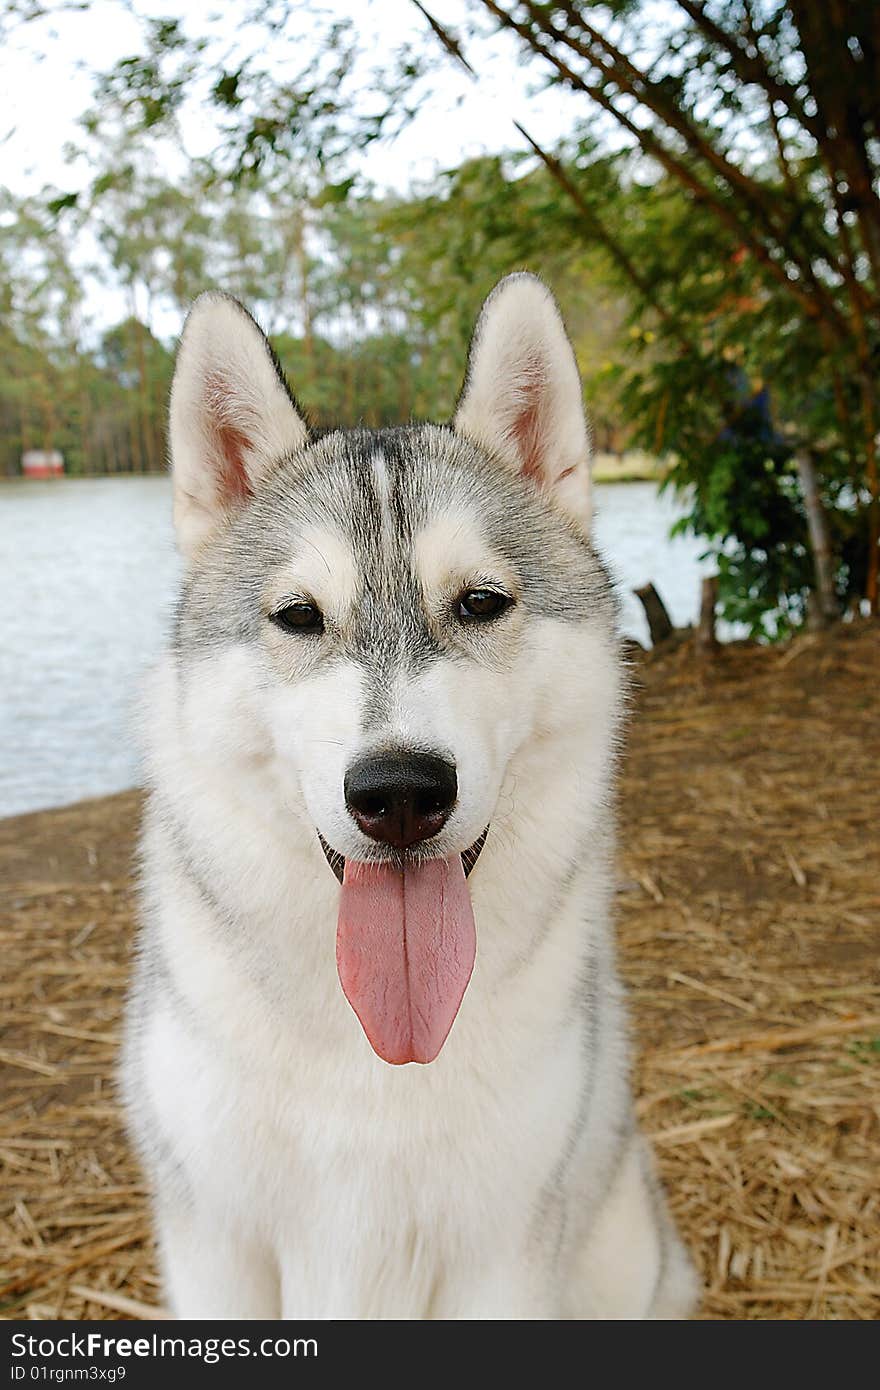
{"points": [[766, 116]]}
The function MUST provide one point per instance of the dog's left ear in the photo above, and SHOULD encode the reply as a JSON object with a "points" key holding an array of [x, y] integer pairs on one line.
{"points": [[232, 417], [522, 399]]}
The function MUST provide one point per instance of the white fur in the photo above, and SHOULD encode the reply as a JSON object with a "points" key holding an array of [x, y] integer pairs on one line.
{"points": [[326, 1183], [296, 1137], [452, 554], [324, 570], [296, 1174]]}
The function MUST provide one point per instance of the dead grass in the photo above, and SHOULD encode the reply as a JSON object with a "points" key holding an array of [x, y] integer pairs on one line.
{"points": [[749, 928], [750, 936]]}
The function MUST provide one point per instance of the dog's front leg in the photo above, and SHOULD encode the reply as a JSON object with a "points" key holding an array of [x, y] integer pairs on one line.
{"points": [[314, 1296], [212, 1271], [505, 1290]]}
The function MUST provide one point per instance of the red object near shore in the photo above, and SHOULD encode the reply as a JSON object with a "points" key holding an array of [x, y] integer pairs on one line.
{"points": [[42, 463]]}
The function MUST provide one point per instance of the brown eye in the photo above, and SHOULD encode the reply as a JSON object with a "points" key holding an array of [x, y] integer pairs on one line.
{"points": [[299, 618], [481, 605]]}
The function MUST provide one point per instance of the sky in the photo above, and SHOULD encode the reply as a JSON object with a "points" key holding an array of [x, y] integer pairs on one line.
{"points": [[47, 66], [55, 55]]}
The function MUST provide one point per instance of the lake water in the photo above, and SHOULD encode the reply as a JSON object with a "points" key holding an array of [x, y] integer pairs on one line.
{"points": [[87, 573]]}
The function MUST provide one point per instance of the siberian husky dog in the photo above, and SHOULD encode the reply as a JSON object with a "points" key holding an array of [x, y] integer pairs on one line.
{"points": [[376, 1060]]}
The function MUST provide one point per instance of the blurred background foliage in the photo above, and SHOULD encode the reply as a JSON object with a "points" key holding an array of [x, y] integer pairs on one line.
{"points": [[711, 227]]}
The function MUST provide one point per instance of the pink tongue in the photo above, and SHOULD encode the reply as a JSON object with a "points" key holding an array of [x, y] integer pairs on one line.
{"points": [[405, 948]]}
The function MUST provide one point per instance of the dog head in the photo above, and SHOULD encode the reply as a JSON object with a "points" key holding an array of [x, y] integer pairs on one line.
{"points": [[385, 619]]}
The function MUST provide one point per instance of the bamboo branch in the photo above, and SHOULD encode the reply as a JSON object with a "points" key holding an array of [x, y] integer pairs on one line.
{"points": [[824, 31], [815, 307], [619, 69], [604, 237], [751, 67], [558, 173]]}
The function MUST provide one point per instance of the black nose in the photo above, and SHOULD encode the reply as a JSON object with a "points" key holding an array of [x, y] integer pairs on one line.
{"points": [[401, 798]]}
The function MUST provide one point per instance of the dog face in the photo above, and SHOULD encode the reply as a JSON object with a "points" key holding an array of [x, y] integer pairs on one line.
{"points": [[381, 632], [387, 617]]}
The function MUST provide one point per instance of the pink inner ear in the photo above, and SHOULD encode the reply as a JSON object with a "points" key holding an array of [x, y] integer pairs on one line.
{"points": [[232, 479], [230, 444], [525, 433], [525, 428]]}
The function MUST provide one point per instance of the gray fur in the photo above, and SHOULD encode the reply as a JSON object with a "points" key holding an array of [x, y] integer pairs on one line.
{"points": [[430, 467]]}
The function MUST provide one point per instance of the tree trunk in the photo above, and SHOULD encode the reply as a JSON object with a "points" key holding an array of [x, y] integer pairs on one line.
{"points": [[302, 262], [132, 399], [826, 608], [659, 622], [706, 639], [142, 394]]}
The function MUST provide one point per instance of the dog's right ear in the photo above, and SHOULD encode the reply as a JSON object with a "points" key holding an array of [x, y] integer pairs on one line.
{"points": [[232, 417]]}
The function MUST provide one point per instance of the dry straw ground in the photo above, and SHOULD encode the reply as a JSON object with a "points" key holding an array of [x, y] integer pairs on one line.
{"points": [[749, 920]]}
